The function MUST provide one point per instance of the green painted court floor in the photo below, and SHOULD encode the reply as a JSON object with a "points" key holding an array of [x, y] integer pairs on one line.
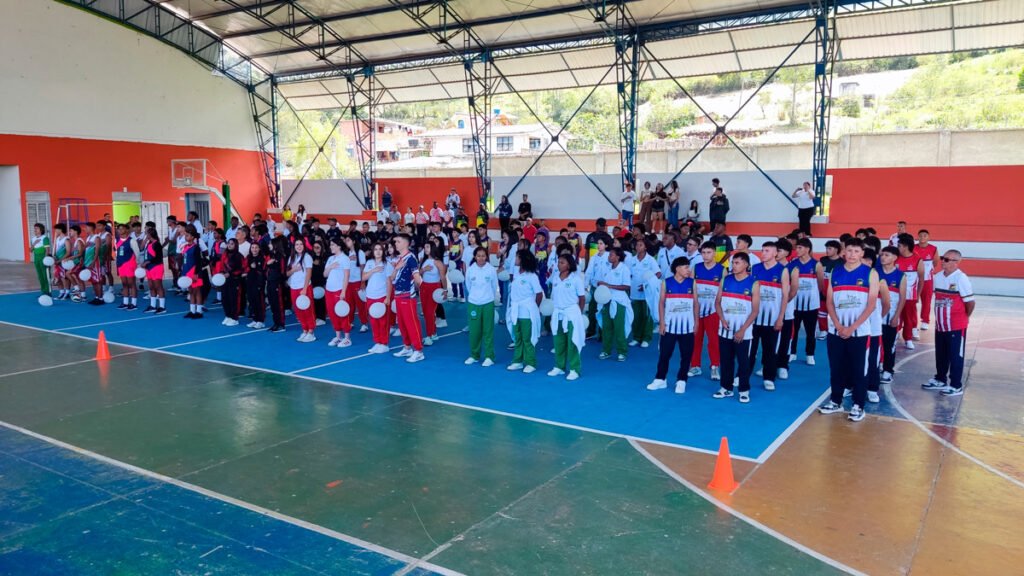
{"points": [[469, 491]]}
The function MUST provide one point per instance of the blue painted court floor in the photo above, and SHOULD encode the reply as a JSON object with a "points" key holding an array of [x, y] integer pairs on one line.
{"points": [[610, 397], [66, 513]]}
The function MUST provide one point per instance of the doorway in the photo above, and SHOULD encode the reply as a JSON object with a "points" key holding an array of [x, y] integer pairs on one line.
{"points": [[12, 230], [200, 204], [157, 213]]}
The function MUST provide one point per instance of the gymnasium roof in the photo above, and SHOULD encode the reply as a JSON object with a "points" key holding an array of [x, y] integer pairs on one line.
{"points": [[310, 45]]}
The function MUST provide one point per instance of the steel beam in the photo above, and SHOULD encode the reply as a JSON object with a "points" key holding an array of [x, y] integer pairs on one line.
{"points": [[825, 51], [263, 102], [364, 95]]}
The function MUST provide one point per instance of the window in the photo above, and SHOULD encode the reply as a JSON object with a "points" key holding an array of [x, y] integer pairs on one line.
{"points": [[534, 143], [467, 145], [504, 144], [461, 124]]}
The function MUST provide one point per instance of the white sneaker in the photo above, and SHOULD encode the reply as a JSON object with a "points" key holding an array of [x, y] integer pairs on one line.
{"points": [[873, 397], [886, 377], [657, 385], [415, 357], [769, 385], [924, 326], [645, 344], [556, 372], [428, 341], [792, 357], [810, 360], [301, 338], [405, 351], [821, 335], [396, 332], [363, 328], [572, 375], [251, 324], [470, 361], [695, 371], [680, 386], [716, 373], [529, 369], [320, 322], [909, 344], [379, 349], [334, 341], [744, 397], [515, 366], [441, 323], [344, 343], [224, 322], [847, 393], [310, 337], [917, 333], [783, 374], [232, 322], [633, 343], [760, 372], [487, 363], [259, 326]]}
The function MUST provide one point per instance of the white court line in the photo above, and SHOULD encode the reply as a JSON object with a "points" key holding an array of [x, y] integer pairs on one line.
{"points": [[792, 428], [891, 397], [394, 393], [68, 364], [246, 333], [364, 355], [146, 317], [235, 502], [725, 507]]}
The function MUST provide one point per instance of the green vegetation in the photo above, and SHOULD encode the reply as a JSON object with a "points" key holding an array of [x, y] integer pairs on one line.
{"points": [[954, 92]]}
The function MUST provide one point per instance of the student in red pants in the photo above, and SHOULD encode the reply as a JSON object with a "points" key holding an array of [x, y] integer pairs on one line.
{"points": [[433, 272], [913, 268], [376, 274], [929, 255], [300, 273], [708, 275], [405, 274], [338, 273]]}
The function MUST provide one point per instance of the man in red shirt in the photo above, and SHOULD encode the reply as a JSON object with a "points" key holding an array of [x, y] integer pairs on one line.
{"points": [[911, 266], [929, 255], [529, 231], [954, 304]]}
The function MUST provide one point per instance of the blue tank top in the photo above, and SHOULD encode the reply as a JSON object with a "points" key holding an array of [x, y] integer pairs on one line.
{"points": [[708, 282], [737, 302], [850, 290], [892, 282], [769, 282], [679, 303]]}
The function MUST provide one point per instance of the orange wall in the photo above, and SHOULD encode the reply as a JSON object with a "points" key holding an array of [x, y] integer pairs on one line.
{"points": [[976, 203], [93, 169]]}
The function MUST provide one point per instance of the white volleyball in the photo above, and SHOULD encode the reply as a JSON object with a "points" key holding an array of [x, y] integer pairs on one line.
{"points": [[318, 293], [67, 264], [140, 272], [342, 308], [48, 261], [547, 307], [85, 275], [302, 302], [603, 295], [377, 310], [108, 297], [218, 279], [184, 282], [438, 295], [45, 300], [456, 277]]}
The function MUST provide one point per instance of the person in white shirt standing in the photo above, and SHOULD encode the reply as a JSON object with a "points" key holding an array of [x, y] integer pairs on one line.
{"points": [[523, 313], [628, 200], [481, 287], [645, 278], [804, 198], [338, 270], [954, 304], [618, 312], [670, 250]]}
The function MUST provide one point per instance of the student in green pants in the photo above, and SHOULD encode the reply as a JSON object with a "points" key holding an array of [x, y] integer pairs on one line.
{"points": [[596, 267], [522, 315], [568, 298], [481, 285], [645, 277], [40, 244], [618, 313]]}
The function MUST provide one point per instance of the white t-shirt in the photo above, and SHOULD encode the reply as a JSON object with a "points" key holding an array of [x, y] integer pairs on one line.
{"points": [[298, 279], [524, 286], [638, 271], [566, 293], [618, 275], [377, 283], [805, 199], [336, 277], [482, 283], [628, 197]]}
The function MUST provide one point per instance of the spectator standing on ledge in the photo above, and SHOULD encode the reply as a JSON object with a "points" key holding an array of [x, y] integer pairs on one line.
{"points": [[804, 198], [672, 207], [482, 217], [645, 205], [386, 199], [453, 201], [504, 213], [525, 208], [719, 205], [628, 198]]}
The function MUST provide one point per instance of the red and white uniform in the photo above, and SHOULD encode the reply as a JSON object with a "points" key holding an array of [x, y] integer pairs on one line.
{"points": [[951, 294], [927, 255], [908, 265]]}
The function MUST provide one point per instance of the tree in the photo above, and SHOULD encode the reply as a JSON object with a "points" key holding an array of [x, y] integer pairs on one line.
{"points": [[1020, 81], [796, 77], [666, 118]]}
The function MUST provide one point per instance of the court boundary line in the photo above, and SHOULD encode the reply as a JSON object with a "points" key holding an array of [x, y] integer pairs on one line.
{"points": [[741, 516], [410, 561], [19, 373], [395, 393], [891, 397], [770, 450]]}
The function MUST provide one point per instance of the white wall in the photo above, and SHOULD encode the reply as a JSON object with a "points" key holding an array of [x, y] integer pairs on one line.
{"points": [[12, 233], [66, 72], [325, 196]]}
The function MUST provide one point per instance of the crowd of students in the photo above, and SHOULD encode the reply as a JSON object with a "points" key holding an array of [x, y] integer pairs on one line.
{"points": [[618, 287]]}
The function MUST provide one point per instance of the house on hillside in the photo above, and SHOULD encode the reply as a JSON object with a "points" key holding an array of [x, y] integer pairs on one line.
{"points": [[394, 140], [505, 140]]}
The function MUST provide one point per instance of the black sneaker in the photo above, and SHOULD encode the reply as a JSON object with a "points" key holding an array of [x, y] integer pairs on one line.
{"points": [[160, 311], [149, 309], [96, 302], [122, 306], [131, 307], [830, 407], [190, 315], [856, 414], [276, 328], [198, 317]]}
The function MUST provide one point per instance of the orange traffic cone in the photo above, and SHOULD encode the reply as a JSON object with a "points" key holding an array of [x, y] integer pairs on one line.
{"points": [[102, 352], [723, 480]]}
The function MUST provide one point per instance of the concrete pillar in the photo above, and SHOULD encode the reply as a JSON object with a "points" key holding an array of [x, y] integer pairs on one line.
{"points": [[944, 155]]}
